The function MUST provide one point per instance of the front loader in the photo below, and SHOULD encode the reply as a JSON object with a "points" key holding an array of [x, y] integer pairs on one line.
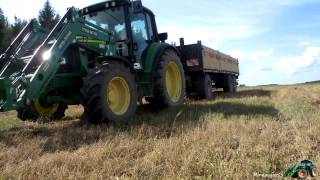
{"points": [[106, 57]]}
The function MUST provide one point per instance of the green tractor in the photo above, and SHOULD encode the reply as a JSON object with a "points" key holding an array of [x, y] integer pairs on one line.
{"points": [[106, 57]]}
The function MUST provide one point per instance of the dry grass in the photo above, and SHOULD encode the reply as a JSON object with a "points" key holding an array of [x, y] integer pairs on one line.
{"points": [[232, 136]]}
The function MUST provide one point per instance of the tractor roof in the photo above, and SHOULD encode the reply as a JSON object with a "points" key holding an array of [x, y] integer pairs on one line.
{"points": [[109, 4]]}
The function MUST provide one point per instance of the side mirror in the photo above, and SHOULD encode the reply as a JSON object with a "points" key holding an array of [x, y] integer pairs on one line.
{"points": [[137, 6], [163, 37]]}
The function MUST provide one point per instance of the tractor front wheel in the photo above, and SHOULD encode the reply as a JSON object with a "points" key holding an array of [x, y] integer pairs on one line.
{"points": [[36, 110], [302, 174], [109, 93]]}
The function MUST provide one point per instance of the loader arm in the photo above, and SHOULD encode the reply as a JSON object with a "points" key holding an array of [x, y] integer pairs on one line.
{"points": [[13, 48], [45, 61], [25, 40]]}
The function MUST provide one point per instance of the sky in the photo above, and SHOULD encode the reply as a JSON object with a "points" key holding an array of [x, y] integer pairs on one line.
{"points": [[276, 41]]}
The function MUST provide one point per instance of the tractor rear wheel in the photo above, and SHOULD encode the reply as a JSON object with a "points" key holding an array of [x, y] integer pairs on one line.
{"points": [[109, 93], [35, 111], [204, 87], [169, 79], [314, 172]]}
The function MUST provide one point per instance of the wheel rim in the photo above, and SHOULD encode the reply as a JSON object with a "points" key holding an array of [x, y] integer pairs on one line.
{"points": [[118, 95], [173, 81], [302, 174], [45, 111]]}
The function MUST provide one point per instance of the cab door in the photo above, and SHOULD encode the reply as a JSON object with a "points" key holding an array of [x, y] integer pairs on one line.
{"points": [[142, 33]]}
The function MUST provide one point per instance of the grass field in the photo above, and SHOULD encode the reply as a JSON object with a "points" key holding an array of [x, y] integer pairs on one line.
{"points": [[258, 130]]}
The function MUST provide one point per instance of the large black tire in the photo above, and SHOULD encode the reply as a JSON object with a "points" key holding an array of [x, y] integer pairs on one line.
{"points": [[164, 96], [100, 83], [235, 84], [302, 174], [314, 172], [229, 84], [204, 87], [31, 113]]}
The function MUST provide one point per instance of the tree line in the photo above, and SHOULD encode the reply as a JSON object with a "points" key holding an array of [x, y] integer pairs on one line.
{"points": [[47, 18]]}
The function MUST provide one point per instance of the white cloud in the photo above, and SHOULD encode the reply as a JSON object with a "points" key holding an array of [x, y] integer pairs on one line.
{"points": [[304, 43], [292, 64], [252, 56], [191, 36], [211, 36]]}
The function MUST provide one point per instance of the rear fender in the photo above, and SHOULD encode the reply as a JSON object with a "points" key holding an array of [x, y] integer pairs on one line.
{"points": [[150, 60], [153, 55]]}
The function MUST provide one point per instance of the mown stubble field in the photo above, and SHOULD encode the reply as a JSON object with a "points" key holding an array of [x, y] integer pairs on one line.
{"points": [[257, 130]]}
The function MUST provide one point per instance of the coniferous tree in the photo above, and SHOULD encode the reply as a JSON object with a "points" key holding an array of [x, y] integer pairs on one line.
{"points": [[48, 17], [5, 34], [17, 26]]}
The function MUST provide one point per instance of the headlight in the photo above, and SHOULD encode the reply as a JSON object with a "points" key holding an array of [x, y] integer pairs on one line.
{"points": [[46, 55]]}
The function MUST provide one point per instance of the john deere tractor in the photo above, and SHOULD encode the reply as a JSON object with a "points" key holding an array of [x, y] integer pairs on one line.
{"points": [[106, 57]]}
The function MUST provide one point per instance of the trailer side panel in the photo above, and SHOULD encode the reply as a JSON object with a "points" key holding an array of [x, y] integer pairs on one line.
{"points": [[216, 61]]}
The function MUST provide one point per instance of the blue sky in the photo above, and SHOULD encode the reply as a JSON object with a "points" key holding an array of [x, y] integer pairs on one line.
{"points": [[276, 41]]}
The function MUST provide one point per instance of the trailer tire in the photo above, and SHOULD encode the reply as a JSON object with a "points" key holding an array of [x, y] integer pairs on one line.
{"points": [[234, 84], [33, 113], [109, 93], [229, 84], [170, 86], [204, 87]]}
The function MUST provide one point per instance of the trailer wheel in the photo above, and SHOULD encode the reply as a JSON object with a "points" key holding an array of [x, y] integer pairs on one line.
{"points": [[204, 87], [229, 84], [36, 111], [170, 85], [234, 80], [109, 93]]}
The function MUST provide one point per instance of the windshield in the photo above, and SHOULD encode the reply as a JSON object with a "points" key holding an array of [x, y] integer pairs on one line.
{"points": [[111, 19]]}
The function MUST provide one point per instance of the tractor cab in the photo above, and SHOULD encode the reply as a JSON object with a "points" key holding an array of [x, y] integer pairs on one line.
{"points": [[133, 26]]}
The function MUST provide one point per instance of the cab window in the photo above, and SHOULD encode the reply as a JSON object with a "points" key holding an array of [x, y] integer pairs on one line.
{"points": [[139, 34], [111, 19]]}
